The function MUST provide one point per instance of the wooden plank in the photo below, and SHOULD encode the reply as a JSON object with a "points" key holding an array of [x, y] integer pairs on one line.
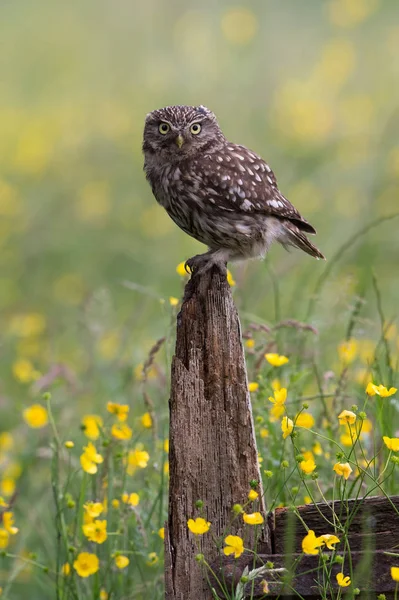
{"points": [[213, 455], [371, 574], [375, 524]]}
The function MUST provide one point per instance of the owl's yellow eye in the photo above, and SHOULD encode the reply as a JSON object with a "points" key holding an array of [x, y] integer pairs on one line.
{"points": [[163, 128], [195, 128]]}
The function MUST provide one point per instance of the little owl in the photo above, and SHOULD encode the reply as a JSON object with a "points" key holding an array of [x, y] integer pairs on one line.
{"points": [[220, 193]]}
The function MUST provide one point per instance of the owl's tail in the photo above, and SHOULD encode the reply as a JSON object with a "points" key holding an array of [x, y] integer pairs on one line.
{"points": [[295, 237]]}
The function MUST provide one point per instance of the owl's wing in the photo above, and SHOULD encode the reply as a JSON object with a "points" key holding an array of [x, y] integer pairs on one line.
{"points": [[237, 179]]}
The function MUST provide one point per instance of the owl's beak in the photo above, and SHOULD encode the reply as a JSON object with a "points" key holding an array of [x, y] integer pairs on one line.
{"points": [[179, 140]]}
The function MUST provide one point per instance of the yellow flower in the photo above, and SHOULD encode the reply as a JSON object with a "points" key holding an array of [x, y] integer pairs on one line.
{"points": [[90, 459], [280, 396], [252, 495], [152, 559], [91, 426], [329, 539], [311, 543], [103, 594], [4, 538], [121, 431], [24, 371], [239, 25], [347, 416], [173, 301], [287, 426], [394, 573], [199, 526], [253, 386], [6, 441], [93, 509], [276, 360], [161, 533], [308, 466], [391, 443], [121, 561], [264, 433], [65, 569], [317, 449], [115, 503], [132, 499], [234, 545], [69, 444], [305, 420], [346, 439], [166, 467], [276, 411], [27, 325], [230, 279], [180, 270], [137, 458], [96, 531], [276, 385], [252, 518], [342, 580], [86, 564], [7, 486], [8, 522], [380, 390], [3, 503], [36, 416], [166, 445], [250, 344], [146, 420], [342, 469], [347, 351], [120, 410], [307, 500]]}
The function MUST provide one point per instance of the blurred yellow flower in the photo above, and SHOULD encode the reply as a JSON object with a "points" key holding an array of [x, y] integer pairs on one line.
{"points": [[103, 594], [8, 522], [93, 509], [93, 203], [166, 445], [380, 390], [69, 444], [230, 279], [86, 564], [347, 416], [146, 420], [137, 458], [394, 573], [239, 25], [305, 420], [96, 531], [121, 411], [307, 500], [311, 543], [347, 351], [65, 569], [276, 360], [280, 396], [253, 518], [132, 499], [330, 540], [317, 449], [342, 469], [7, 486], [35, 416], [198, 526], [152, 559], [115, 503], [276, 411], [287, 426], [6, 441], [308, 466], [349, 13], [161, 533], [347, 440], [3, 503], [391, 443], [342, 580], [27, 325], [264, 433], [121, 431], [180, 270], [253, 495], [166, 467], [24, 371], [173, 301], [253, 386], [90, 459], [276, 385], [69, 289], [121, 561], [250, 344], [4, 538], [91, 425], [139, 373], [233, 545]]}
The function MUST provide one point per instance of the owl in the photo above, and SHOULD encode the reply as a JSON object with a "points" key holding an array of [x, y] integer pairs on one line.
{"points": [[220, 193]]}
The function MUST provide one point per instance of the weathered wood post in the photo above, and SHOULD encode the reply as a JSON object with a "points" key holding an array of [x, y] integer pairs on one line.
{"points": [[213, 454]]}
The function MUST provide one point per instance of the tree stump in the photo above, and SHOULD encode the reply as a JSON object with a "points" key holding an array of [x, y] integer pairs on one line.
{"points": [[213, 455]]}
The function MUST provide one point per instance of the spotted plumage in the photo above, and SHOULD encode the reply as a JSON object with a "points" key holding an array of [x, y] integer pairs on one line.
{"points": [[220, 193]]}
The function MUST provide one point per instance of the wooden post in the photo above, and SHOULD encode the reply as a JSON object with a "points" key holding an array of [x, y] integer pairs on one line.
{"points": [[213, 455]]}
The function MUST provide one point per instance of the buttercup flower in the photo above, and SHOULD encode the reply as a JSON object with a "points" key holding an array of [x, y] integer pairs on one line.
{"points": [[394, 573], [305, 420], [93, 509], [287, 426], [146, 420], [161, 533], [35, 416], [380, 390], [253, 518], [91, 426], [279, 397], [347, 351], [96, 531], [308, 466], [234, 545], [253, 495], [132, 499], [342, 469], [90, 459], [199, 526], [4, 538], [173, 301], [137, 458], [311, 543], [153, 558], [329, 539], [121, 411], [347, 416], [276, 360], [253, 386], [66, 569], [230, 279], [121, 431], [103, 594], [8, 522], [86, 564], [121, 561], [342, 580], [391, 443]]}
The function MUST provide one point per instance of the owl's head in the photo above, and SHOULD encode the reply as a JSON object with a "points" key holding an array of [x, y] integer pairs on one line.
{"points": [[178, 132]]}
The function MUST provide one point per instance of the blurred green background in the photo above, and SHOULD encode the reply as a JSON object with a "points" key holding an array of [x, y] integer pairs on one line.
{"points": [[86, 254]]}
